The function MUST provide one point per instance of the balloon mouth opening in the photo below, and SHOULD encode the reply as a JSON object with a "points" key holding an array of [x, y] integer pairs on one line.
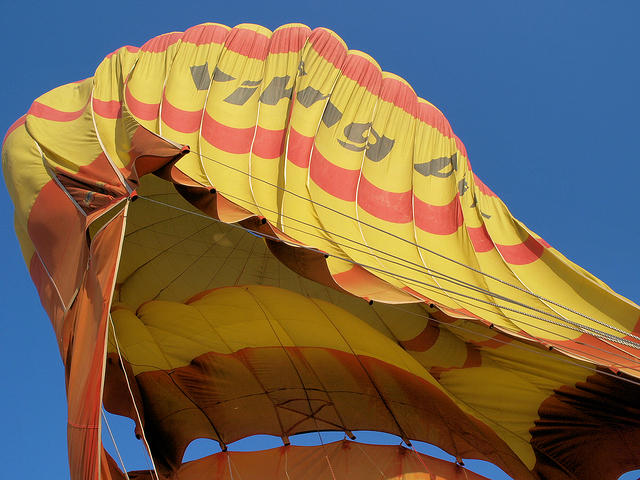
{"points": [[202, 275]]}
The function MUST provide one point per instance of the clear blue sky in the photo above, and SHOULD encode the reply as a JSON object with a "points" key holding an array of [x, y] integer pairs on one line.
{"points": [[544, 95]]}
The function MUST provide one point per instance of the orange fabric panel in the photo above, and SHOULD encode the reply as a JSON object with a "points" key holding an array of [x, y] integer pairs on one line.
{"points": [[343, 460], [75, 281], [86, 354], [63, 251], [235, 391]]}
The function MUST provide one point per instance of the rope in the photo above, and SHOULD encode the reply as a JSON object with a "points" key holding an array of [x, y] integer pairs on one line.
{"points": [[375, 465], [312, 413], [133, 400], [524, 290], [113, 440], [438, 275], [578, 328]]}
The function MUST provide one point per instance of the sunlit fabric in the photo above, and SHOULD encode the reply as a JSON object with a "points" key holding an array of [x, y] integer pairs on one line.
{"points": [[270, 235], [338, 460]]}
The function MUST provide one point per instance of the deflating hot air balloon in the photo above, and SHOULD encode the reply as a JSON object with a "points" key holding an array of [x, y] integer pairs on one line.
{"points": [[236, 232]]}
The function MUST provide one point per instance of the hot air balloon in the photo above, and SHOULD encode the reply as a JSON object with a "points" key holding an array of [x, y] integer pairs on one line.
{"points": [[237, 232]]}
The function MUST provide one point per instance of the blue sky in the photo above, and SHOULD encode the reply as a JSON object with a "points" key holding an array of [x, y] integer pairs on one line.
{"points": [[543, 94]]}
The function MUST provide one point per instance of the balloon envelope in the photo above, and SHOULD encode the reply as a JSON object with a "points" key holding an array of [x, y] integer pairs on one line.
{"points": [[246, 232]]}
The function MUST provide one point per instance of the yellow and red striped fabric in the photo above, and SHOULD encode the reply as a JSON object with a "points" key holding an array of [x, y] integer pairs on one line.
{"points": [[363, 194]]}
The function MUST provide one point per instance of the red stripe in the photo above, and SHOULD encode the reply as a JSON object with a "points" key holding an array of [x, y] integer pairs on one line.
{"points": [[474, 359], [15, 125], [327, 45], [438, 219], [482, 187], [415, 294], [543, 242], [364, 72], [108, 109], [299, 148], [460, 146], [142, 110], [48, 113], [227, 139], [433, 117], [399, 94], [424, 340], [129, 48], [268, 144], [289, 39], [160, 43], [337, 181], [248, 43], [497, 341], [480, 239], [523, 253], [349, 277], [185, 121], [206, 34], [385, 205]]}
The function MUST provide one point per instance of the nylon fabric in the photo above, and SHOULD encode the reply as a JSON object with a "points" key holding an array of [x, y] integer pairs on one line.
{"points": [[283, 162]]}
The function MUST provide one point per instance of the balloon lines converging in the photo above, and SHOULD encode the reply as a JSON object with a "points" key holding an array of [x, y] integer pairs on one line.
{"points": [[426, 286], [421, 247], [438, 275], [460, 297], [153, 470], [126, 376], [454, 293], [115, 445], [271, 237], [436, 288], [261, 235]]}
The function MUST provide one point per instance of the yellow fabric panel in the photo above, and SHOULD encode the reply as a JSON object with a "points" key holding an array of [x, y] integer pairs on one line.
{"points": [[550, 277], [355, 96], [306, 114], [170, 254], [504, 391], [441, 193], [218, 322], [55, 122], [24, 176], [186, 91], [145, 85], [231, 112], [507, 390], [280, 80], [107, 101], [393, 125]]}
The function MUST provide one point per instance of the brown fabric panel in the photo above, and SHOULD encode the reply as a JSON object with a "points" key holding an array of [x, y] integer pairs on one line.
{"points": [[63, 251], [201, 198], [88, 318], [116, 397], [94, 186], [589, 431], [49, 300], [150, 153], [280, 392], [340, 460], [109, 469], [304, 262]]}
